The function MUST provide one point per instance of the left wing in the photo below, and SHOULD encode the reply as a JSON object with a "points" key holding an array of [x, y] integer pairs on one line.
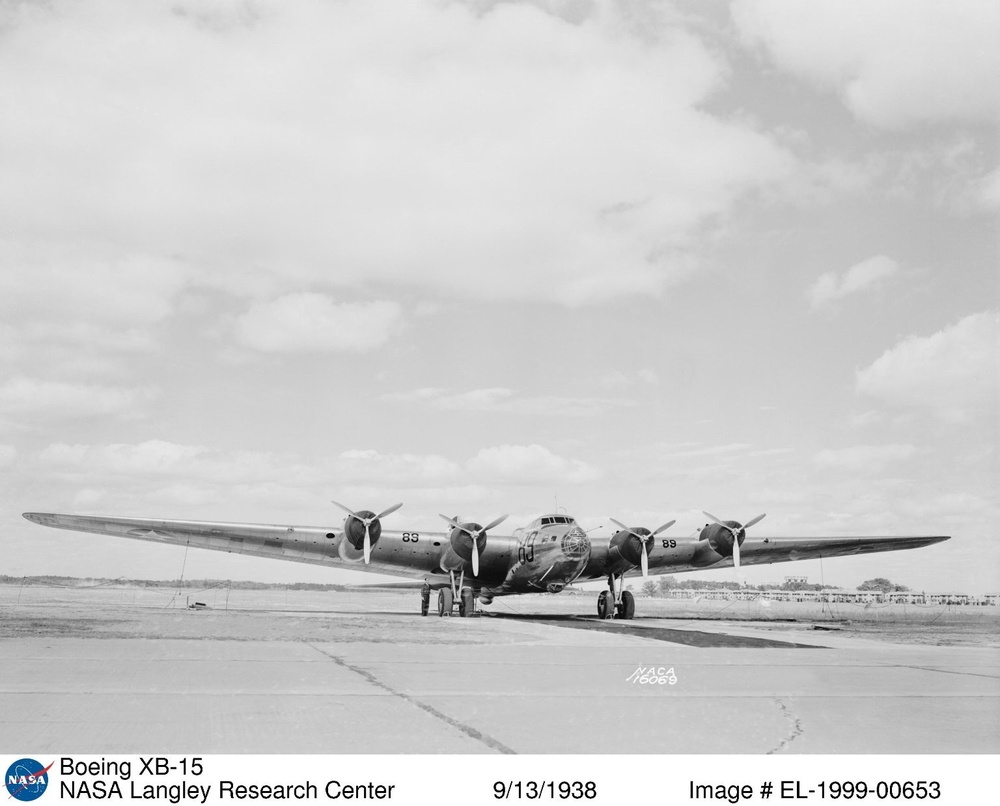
{"points": [[669, 556]]}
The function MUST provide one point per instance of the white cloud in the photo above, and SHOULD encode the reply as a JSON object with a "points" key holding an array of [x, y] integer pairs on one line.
{"points": [[158, 458], [26, 397], [311, 322], [502, 399], [329, 145], [954, 373], [397, 469], [530, 464], [988, 190], [864, 459], [866, 275], [894, 62], [617, 379], [78, 311], [7, 455]]}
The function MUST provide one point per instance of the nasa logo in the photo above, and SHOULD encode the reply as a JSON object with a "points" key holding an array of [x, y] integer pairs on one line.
{"points": [[27, 779]]}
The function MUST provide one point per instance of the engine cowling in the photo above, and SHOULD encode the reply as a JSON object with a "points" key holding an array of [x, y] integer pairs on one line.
{"points": [[354, 528], [462, 543], [629, 545], [720, 538], [363, 529]]}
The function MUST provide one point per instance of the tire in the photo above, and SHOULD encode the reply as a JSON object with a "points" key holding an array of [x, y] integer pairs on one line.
{"points": [[606, 605], [627, 608], [445, 601], [467, 604]]}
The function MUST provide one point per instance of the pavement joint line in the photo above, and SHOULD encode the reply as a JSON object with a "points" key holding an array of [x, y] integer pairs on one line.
{"points": [[471, 732], [944, 671], [796, 728]]}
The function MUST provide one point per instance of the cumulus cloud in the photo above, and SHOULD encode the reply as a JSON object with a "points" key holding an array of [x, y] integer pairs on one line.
{"points": [[530, 464], [158, 459], [868, 274], [24, 397], [473, 152], [311, 322], [894, 63], [395, 469], [954, 373], [864, 458]]}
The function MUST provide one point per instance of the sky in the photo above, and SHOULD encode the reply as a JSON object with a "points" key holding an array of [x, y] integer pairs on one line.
{"points": [[627, 260]]}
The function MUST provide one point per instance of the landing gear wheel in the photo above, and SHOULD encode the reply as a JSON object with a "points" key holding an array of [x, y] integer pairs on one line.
{"points": [[606, 605], [425, 601], [626, 609], [445, 601], [467, 603]]}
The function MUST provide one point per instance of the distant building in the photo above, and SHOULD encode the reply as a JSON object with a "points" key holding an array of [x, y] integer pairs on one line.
{"points": [[833, 596], [795, 580]]}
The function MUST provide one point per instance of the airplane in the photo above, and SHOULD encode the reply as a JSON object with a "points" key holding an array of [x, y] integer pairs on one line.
{"points": [[465, 564]]}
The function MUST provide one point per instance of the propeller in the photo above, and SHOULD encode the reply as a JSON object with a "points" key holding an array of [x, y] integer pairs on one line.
{"points": [[735, 531], [475, 534], [368, 519], [644, 539]]}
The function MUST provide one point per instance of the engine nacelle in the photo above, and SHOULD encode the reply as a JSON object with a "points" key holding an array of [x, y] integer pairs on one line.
{"points": [[354, 529], [720, 538], [628, 545], [461, 540]]}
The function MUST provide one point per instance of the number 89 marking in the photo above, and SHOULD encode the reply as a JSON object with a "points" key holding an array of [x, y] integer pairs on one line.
{"points": [[669, 544], [411, 537]]}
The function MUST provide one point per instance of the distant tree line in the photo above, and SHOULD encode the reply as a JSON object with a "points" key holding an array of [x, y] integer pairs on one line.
{"points": [[666, 584], [199, 584]]}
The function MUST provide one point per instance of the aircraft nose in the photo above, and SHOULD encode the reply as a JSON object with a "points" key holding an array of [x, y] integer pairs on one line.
{"points": [[576, 544]]}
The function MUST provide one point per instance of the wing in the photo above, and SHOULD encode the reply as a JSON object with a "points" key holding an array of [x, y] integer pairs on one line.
{"points": [[670, 556], [396, 553]]}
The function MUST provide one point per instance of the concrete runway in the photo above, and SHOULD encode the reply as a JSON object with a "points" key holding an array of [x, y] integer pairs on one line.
{"points": [[121, 676]]}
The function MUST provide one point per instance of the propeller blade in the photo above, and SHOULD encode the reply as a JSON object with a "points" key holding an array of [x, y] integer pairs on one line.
{"points": [[390, 510], [626, 528], [475, 557], [348, 511], [497, 522], [662, 528], [644, 561], [758, 519], [736, 554], [452, 521], [712, 517], [368, 545]]}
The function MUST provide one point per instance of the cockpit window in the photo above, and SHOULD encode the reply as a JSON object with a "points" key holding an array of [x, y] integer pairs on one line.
{"points": [[548, 520]]}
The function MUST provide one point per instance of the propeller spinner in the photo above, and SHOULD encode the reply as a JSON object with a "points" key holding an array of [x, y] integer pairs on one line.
{"points": [[367, 518], [735, 532], [644, 540], [475, 531]]}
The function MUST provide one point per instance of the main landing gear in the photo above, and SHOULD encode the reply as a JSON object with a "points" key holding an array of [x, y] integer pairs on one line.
{"points": [[615, 602], [447, 596]]}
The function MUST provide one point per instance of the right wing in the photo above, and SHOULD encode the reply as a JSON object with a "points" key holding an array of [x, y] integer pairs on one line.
{"points": [[305, 544]]}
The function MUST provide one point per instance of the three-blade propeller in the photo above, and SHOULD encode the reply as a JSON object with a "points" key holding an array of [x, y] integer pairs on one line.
{"points": [[368, 521], [475, 535], [735, 531], [644, 539]]}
